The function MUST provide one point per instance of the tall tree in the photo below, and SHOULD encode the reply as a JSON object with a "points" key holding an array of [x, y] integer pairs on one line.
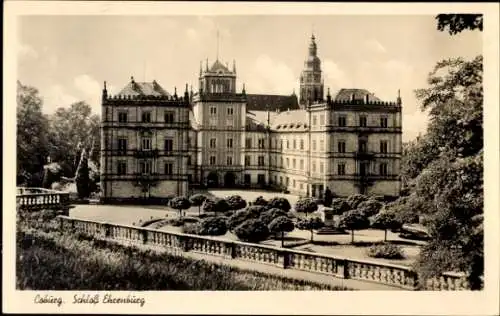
{"points": [[82, 177], [32, 129], [456, 23]]}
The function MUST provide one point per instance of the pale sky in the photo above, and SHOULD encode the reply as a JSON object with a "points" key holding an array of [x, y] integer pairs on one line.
{"points": [[69, 57]]}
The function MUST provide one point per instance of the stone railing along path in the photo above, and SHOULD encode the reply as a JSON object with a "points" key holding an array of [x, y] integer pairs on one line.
{"points": [[399, 277]]}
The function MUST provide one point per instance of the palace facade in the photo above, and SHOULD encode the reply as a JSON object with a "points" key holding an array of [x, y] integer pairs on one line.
{"points": [[155, 144]]}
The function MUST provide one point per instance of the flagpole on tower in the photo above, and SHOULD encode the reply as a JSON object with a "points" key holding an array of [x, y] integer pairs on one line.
{"points": [[217, 45]]}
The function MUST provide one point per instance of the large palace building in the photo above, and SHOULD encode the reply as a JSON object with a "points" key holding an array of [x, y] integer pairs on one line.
{"points": [[155, 144]]}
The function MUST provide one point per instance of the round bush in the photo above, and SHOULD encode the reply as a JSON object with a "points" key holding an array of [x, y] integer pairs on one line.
{"points": [[280, 203], [236, 202], [252, 230], [176, 222], [239, 217], [306, 205], [355, 199], [260, 201], [192, 229], [268, 216], [370, 207], [386, 251], [212, 226]]}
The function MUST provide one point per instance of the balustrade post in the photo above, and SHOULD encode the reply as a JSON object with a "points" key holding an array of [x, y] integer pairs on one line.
{"points": [[344, 269], [144, 233], [107, 230], [285, 256]]}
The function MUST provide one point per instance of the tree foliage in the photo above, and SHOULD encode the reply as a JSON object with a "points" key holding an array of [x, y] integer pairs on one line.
{"points": [[252, 230], [197, 200], [212, 226], [306, 205], [310, 224], [82, 177], [236, 202], [180, 204], [355, 199], [268, 216], [279, 202], [240, 216], [215, 205], [32, 130], [339, 206], [260, 201], [456, 23], [281, 224], [354, 220], [370, 207], [385, 221]]}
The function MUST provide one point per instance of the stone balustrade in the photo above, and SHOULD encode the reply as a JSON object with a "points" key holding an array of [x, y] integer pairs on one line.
{"points": [[370, 271], [38, 198]]}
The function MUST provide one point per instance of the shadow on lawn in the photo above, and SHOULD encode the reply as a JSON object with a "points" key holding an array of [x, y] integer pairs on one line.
{"points": [[363, 243]]}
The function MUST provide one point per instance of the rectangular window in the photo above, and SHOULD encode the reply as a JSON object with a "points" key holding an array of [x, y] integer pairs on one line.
{"points": [[342, 120], [229, 160], [281, 160], [122, 117], [213, 110], [169, 145], [383, 169], [146, 117], [321, 167], [169, 168], [122, 146], [261, 160], [364, 168], [383, 146], [341, 146], [145, 167], [301, 186], [341, 169], [301, 144], [294, 183], [322, 119], [383, 122], [213, 142], [301, 164], [288, 162], [190, 178], [261, 179], [230, 111], [362, 121], [261, 143], [287, 144], [146, 143], [294, 144], [281, 180], [122, 167], [248, 178], [229, 143], [287, 181], [247, 160], [248, 143], [281, 144], [313, 167], [314, 145], [362, 146], [322, 145], [169, 117], [212, 160], [315, 120], [189, 160], [293, 163]]}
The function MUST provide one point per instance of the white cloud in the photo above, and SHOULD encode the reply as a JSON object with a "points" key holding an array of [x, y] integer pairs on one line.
{"points": [[375, 46], [269, 76], [335, 78], [55, 97], [90, 89], [26, 51]]}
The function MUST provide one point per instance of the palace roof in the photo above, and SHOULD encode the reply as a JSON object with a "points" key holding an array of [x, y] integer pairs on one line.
{"points": [[358, 94], [269, 102], [134, 88]]}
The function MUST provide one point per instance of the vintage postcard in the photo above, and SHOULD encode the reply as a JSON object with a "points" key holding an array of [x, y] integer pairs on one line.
{"points": [[248, 158]]}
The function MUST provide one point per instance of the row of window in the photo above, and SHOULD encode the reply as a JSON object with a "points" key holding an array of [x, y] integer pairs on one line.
{"points": [[229, 110], [168, 117], [145, 167], [342, 120]]}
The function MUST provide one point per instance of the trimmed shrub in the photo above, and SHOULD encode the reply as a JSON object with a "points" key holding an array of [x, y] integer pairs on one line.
{"points": [[215, 205], [354, 220], [260, 201], [192, 229], [306, 205], [355, 199], [241, 216], [212, 226], [268, 216], [281, 225], [370, 207], [252, 230], [386, 251], [279, 202], [197, 200], [180, 204], [310, 224], [176, 222], [236, 202], [339, 206], [385, 221]]}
